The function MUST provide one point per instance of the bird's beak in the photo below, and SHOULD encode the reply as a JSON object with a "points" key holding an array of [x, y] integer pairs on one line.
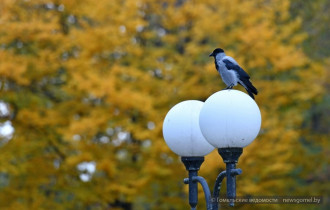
{"points": [[211, 54]]}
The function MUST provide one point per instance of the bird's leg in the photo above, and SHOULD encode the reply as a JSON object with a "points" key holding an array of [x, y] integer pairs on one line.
{"points": [[230, 86]]}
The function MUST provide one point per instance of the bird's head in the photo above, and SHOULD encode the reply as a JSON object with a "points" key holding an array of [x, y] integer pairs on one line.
{"points": [[216, 52]]}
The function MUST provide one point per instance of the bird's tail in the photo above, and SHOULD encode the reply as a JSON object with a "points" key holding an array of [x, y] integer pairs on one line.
{"points": [[250, 93], [250, 88]]}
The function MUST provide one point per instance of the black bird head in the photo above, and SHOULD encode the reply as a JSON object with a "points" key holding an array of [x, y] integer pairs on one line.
{"points": [[216, 51]]}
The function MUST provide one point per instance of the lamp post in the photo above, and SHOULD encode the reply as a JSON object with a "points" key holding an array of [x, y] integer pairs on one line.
{"points": [[228, 120]]}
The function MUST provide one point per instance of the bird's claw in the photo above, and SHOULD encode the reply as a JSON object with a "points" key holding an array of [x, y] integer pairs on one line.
{"points": [[229, 87]]}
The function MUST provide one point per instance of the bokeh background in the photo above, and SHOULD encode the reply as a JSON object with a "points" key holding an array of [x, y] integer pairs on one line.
{"points": [[85, 86]]}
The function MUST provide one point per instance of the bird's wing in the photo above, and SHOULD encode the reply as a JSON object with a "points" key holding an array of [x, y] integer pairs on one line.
{"points": [[231, 59], [231, 64]]}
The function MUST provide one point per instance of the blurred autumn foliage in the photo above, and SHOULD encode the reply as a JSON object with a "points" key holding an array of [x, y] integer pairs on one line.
{"points": [[87, 84]]}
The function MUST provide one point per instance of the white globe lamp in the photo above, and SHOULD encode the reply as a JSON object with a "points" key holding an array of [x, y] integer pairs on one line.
{"points": [[230, 118], [181, 130]]}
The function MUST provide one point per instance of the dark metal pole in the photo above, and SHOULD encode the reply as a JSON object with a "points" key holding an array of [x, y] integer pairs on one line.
{"points": [[216, 190], [206, 190], [230, 157], [192, 166], [193, 189], [231, 183]]}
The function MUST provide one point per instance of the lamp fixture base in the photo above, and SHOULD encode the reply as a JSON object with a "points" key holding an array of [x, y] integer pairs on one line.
{"points": [[230, 155], [192, 163]]}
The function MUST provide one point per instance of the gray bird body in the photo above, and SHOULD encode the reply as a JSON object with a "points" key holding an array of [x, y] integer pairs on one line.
{"points": [[228, 76], [231, 72]]}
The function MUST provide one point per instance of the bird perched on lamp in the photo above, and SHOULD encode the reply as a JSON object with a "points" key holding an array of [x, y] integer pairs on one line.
{"points": [[231, 73]]}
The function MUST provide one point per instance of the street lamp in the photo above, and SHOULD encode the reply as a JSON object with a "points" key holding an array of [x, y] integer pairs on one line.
{"points": [[228, 120]]}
